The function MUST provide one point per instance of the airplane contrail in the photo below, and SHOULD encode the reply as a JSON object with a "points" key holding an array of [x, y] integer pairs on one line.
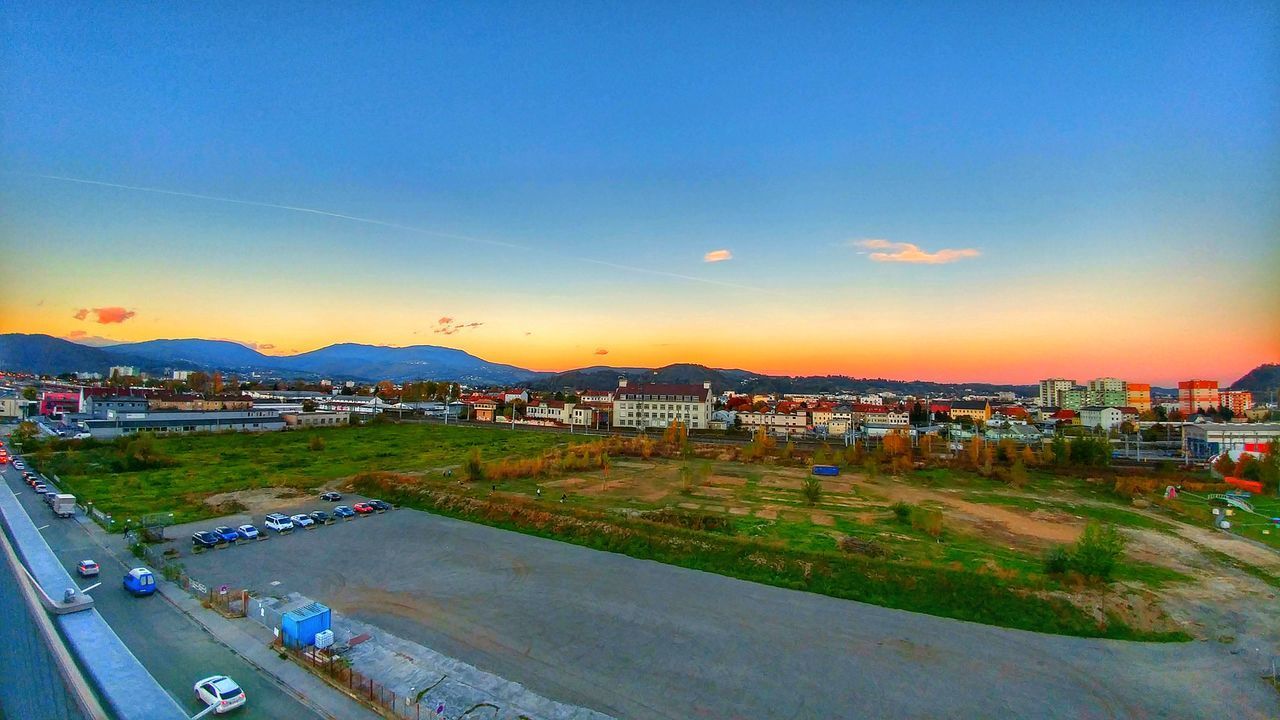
{"points": [[383, 223]]}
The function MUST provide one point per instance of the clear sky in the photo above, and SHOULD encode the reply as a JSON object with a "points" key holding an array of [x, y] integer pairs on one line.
{"points": [[951, 191]]}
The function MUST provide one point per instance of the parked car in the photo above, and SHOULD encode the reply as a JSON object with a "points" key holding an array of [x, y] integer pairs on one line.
{"points": [[247, 532], [302, 520], [140, 581], [226, 534], [330, 496], [87, 568], [343, 511], [40, 487], [205, 539], [221, 692], [279, 523], [320, 517], [362, 508], [380, 506]]}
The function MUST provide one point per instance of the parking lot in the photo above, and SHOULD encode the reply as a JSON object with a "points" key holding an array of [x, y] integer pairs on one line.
{"points": [[179, 536], [635, 638]]}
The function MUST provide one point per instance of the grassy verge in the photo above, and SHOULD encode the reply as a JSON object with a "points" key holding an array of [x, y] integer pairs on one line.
{"points": [[942, 591]]}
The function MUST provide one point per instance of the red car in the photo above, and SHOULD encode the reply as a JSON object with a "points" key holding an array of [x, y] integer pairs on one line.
{"points": [[362, 508]]}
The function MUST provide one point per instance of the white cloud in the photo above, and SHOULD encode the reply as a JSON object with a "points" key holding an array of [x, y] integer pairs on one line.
{"points": [[717, 256], [888, 251]]}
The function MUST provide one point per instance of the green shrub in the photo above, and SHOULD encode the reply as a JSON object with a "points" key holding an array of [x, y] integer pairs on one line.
{"points": [[1057, 560], [316, 444], [902, 512], [1096, 553], [812, 489], [474, 468]]}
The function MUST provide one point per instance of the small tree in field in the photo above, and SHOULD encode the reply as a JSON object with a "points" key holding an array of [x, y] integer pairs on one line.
{"points": [[316, 444], [1018, 474], [474, 468], [1096, 553], [812, 489]]}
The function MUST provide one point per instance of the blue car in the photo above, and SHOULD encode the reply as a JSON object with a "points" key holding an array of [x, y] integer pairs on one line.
{"points": [[343, 511], [140, 582], [226, 534], [247, 532]]}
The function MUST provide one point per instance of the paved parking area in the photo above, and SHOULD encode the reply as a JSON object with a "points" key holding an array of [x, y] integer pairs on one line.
{"points": [[634, 638]]}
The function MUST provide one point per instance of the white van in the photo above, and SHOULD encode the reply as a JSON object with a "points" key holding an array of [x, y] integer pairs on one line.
{"points": [[279, 523]]}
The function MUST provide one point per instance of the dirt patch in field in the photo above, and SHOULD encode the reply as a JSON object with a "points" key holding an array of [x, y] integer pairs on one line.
{"points": [[767, 513], [819, 518], [726, 481], [739, 511], [780, 482], [257, 501], [1047, 527], [714, 492]]}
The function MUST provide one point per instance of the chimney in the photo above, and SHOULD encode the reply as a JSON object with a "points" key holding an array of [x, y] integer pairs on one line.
{"points": [[622, 382]]}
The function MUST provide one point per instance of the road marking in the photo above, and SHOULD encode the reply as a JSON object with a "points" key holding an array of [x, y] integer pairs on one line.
{"points": [[42, 527]]}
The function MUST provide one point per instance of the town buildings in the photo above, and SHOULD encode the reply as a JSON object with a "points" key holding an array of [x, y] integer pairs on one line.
{"points": [[1138, 396], [172, 423], [657, 405], [1052, 389], [1204, 440], [1196, 395], [315, 419], [122, 371], [975, 410], [1237, 401], [1107, 418], [1112, 392]]}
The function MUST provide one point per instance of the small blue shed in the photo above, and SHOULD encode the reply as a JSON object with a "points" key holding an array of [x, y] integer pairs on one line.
{"points": [[301, 625]]}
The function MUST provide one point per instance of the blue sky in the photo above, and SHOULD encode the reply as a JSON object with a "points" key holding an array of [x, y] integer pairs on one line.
{"points": [[1115, 153]]}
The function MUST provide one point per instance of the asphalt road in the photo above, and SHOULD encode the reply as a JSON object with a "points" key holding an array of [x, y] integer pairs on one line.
{"points": [[639, 639], [176, 650]]}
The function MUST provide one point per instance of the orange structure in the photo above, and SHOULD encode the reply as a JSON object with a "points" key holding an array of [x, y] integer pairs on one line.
{"points": [[1139, 396], [1195, 395]]}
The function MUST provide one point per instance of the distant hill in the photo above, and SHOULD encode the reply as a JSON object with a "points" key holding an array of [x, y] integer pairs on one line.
{"points": [[604, 378], [48, 354], [1264, 378], [221, 354], [406, 363], [45, 354]]}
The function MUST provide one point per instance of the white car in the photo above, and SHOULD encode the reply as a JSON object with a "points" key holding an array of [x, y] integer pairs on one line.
{"points": [[302, 520], [279, 523], [221, 692]]}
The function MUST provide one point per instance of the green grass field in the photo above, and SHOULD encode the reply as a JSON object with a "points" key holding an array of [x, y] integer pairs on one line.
{"points": [[211, 464]]}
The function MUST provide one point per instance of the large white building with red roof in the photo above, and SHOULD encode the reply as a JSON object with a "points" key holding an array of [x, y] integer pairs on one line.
{"points": [[656, 405]]}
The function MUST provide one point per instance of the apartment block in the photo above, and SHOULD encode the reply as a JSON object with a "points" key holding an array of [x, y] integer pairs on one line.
{"points": [[1051, 391], [1196, 395]]}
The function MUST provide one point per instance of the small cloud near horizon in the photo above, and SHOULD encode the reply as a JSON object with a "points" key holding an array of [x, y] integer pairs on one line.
{"points": [[449, 327], [889, 251], [716, 256], [105, 315], [601, 351]]}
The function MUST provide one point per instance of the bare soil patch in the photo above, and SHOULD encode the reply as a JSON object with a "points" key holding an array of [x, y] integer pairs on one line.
{"points": [[257, 501], [820, 518]]}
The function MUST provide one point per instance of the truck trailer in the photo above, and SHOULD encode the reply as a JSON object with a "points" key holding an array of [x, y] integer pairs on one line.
{"points": [[64, 505]]}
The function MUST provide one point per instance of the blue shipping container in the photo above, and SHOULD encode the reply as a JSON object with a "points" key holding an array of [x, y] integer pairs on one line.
{"points": [[826, 470], [301, 625]]}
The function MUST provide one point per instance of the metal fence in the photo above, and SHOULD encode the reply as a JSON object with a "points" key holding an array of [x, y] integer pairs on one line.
{"points": [[339, 673]]}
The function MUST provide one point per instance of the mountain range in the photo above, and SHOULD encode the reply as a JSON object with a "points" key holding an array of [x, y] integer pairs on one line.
{"points": [[48, 355]]}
